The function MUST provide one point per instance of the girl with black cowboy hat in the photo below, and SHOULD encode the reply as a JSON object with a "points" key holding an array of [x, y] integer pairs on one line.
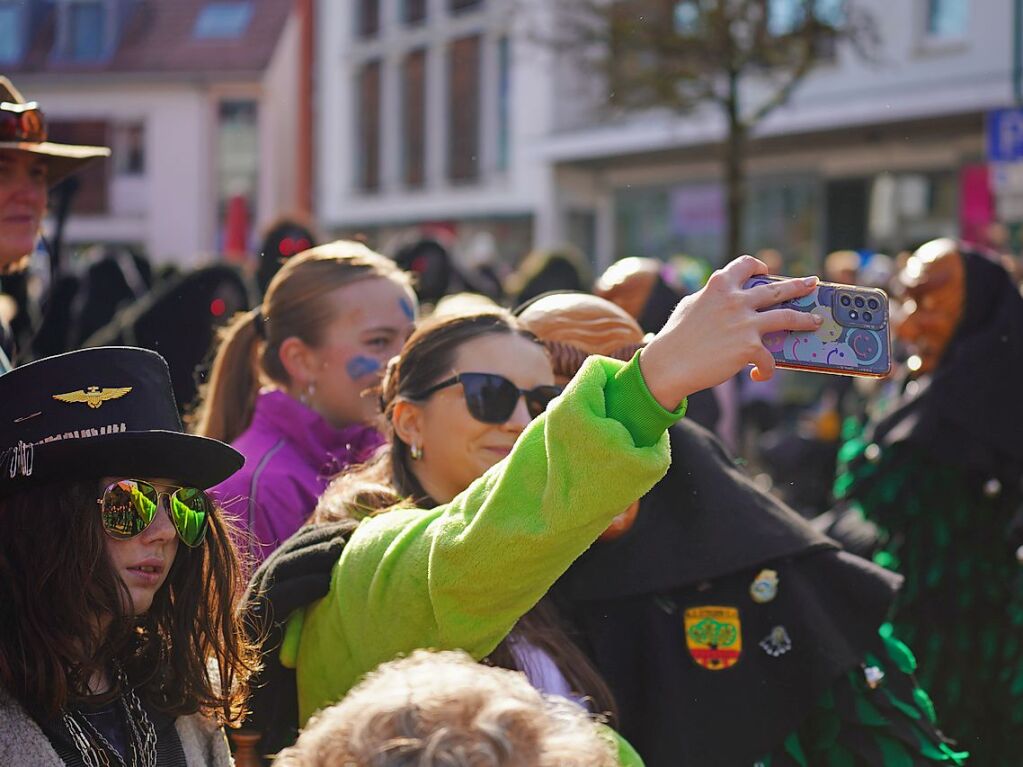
{"points": [[29, 165], [118, 578]]}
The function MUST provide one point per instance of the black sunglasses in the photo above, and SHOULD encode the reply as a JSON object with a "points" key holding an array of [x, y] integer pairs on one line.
{"points": [[129, 506], [491, 398], [21, 122]]}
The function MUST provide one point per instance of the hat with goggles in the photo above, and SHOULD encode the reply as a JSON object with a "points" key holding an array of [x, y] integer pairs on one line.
{"points": [[100, 412], [23, 128]]}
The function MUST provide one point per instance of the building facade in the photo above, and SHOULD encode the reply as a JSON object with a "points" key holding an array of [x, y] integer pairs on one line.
{"points": [[196, 98], [455, 114]]}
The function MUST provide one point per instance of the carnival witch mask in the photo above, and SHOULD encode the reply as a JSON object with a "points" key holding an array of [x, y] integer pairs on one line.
{"points": [[934, 294]]}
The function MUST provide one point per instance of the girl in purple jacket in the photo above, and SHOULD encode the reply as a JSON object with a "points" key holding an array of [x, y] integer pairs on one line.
{"points": [[290, 383]]}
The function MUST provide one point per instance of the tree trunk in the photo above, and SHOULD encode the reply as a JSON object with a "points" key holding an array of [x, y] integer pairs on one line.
{"points": [[734, 171]]}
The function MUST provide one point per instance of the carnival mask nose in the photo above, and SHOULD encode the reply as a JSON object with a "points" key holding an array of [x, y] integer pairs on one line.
{"points": [[934, 285]]}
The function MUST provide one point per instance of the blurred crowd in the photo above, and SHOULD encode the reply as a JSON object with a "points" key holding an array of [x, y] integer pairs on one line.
{"points": [[425, 508]]}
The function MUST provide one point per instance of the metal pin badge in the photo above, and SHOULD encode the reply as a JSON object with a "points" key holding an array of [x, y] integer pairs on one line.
{"points": [[777, 643], [873, 676], [764, 587], [872, 452]]}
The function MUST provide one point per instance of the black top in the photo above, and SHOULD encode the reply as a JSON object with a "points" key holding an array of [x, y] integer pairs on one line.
{"points": [[109, 720]]}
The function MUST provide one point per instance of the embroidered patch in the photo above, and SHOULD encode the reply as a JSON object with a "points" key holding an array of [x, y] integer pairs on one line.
{"points": [[714, 636], [764, 587], [777, 643], [93, 396]]}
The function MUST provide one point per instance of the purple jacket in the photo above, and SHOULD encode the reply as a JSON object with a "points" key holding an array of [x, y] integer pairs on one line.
{"points": [[291, 453]]}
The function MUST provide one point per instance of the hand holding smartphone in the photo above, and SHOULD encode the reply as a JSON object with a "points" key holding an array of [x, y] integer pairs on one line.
{"points": [[853, 338]]}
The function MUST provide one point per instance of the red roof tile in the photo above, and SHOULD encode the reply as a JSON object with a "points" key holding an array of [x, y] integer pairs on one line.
{"points": [[157, 38]]}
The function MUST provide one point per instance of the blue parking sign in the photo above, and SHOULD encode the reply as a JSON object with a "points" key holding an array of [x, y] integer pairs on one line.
{"points": [[1005, 135]]}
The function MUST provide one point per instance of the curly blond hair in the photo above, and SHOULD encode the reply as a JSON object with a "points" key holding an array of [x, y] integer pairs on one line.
{"points": [[442, 709]]}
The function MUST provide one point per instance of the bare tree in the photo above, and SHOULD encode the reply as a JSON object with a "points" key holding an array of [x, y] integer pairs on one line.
{"points": [[743, 57]]}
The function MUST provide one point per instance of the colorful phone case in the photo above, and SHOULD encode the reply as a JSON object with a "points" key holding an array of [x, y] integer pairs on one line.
{"points": [[845, 347]]}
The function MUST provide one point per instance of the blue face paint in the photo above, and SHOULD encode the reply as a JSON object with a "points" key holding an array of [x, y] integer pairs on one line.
{"points": [[407, 309], [360, 367]]}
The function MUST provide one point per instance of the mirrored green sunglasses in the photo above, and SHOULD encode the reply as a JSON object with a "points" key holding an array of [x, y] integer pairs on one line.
{"points": [[129, 506]]}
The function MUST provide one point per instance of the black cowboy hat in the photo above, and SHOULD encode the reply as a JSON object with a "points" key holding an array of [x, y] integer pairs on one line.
{"points": [[28, 134], [105, 411]]}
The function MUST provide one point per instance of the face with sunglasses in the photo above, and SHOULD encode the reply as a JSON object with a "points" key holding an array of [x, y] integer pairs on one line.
{"points": [[145, 520], [469, 420]]}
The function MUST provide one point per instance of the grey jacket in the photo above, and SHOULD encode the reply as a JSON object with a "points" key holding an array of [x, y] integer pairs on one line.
{"points": [[23, 743]]}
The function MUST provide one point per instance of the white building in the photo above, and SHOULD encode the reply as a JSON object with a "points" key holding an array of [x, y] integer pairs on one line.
{"points": [[868, 153], [197, 99]]}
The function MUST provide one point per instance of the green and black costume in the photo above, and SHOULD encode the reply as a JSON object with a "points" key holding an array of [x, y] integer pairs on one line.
{"points": [[940, 475]]}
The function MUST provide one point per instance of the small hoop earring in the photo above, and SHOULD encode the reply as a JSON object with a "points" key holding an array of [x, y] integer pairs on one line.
{"points": [[416, 451]]}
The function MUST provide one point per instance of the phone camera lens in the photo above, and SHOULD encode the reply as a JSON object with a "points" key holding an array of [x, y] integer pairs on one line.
{"points": [[858, 302], [868, 316], [873, 303], [846, 300], [854, 315]]}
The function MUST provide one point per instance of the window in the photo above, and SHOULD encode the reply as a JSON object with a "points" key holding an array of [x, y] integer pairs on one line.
{"points": [[368, 160], [503, 103], [93, 195], [457, 6], [464, 109], [413, 11], [413, 122], [786, 16], [10, 32], [129, 150], [237, 156], [85, 31], [686, 17], [368, 22], [946, 19], [222, 21]]}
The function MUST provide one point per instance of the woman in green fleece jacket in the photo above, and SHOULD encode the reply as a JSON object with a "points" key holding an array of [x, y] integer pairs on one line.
{"points": [[462, 573]]}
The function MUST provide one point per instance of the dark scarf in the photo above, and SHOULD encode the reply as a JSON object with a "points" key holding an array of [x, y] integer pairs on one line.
{"points": [[970, 411]]}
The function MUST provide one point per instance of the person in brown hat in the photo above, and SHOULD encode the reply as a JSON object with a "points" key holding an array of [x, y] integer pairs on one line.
{"points": [[29, 164]]}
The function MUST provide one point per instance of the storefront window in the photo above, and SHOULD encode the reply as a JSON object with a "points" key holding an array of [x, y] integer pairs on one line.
{"points": [[691, 219]]}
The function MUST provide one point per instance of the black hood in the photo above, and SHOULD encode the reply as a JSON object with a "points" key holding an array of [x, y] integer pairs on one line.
{"points": [[969, 412]]}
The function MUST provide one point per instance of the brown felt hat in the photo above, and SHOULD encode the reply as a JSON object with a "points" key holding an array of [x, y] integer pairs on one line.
{"points": [[29, 135]]}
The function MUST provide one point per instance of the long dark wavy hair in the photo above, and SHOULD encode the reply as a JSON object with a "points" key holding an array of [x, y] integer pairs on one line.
{"points": [[64, 615], [388, 481]]}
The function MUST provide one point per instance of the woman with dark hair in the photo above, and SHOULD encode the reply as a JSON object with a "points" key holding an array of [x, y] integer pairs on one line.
{"points": [[119, 643], [482, 499]]}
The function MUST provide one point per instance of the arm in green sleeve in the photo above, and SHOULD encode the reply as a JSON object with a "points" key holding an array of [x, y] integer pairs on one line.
{"points": [[462, 574]]}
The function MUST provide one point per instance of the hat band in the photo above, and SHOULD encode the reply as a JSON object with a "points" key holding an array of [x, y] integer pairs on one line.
{"points": [[22, 122]]}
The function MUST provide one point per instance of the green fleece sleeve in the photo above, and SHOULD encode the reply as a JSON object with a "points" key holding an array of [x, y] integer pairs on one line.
{"points": [[460, 575]]}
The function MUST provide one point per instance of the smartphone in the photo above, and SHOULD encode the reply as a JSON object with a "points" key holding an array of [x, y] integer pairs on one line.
{"points": [[853, 340]]}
